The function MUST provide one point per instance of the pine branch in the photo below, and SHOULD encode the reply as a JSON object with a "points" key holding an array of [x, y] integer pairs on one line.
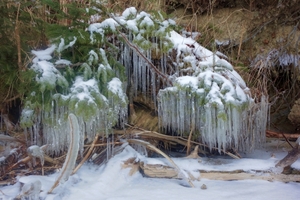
{"points": [[60, 66], [135, 48]]}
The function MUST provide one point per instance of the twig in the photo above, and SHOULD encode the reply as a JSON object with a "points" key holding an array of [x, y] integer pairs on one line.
{"points": [[2, 192], [240, 45], [188, 149], [18, 39], [291, 136], [86, 155], [101, 145], [13, 98]]}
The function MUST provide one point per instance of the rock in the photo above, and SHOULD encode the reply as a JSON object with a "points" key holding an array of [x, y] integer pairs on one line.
{"points": [[294, 115], [203, 187]]}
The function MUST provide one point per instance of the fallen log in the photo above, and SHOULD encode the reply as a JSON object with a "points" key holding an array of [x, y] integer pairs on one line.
{"points": [[289, 136], [162, 171], [267, 176]]}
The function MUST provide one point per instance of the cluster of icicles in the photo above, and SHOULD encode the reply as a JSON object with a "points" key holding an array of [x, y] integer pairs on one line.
{"points": [[56, 131], [182, 113], [220, 111]]}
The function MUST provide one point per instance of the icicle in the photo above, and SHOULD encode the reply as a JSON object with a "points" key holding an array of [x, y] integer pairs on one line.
{"points": [[135, 61], [143, 67], [153, 84]]}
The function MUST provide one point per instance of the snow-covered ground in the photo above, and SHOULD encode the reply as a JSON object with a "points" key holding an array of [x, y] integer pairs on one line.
{"points": [[111, 181]]}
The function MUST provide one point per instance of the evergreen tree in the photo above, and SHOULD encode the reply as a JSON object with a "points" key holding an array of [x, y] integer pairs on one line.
{"points": [[21, 30]]}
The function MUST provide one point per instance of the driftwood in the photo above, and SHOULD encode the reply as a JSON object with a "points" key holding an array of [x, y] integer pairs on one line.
{"points": [[176, 168], [291, 157], [162, 171], [158, 171], [267, 176]]}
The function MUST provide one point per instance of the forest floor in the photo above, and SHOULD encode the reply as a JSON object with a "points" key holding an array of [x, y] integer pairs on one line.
{"points": [[116, 180]]}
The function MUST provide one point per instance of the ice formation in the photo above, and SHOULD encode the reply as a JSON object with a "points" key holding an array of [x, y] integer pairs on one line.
{"points": [[72, 154], [97, 99], [148, 36], [276, 58], [36, 152], [198, 90], [210, 100]]}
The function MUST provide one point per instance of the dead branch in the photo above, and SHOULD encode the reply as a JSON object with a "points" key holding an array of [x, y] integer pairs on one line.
{"points": [[291, 157], [273, 134], [188, 149], [86, 155], [139, 132]]}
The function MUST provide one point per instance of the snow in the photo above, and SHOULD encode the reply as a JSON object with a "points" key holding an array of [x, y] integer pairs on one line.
{"points": [[47, 75], [115, 86], [32, 189], [44, 54], [62, 46], [111, 181], [188, 81], [63, 62], [107, 23], [129, 12], [131, 24], [81, 89], [36, 152]]}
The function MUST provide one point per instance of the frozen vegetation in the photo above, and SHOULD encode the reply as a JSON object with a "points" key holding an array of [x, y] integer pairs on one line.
{"points": [[211, 100], [199, 92], [194, 91]]}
